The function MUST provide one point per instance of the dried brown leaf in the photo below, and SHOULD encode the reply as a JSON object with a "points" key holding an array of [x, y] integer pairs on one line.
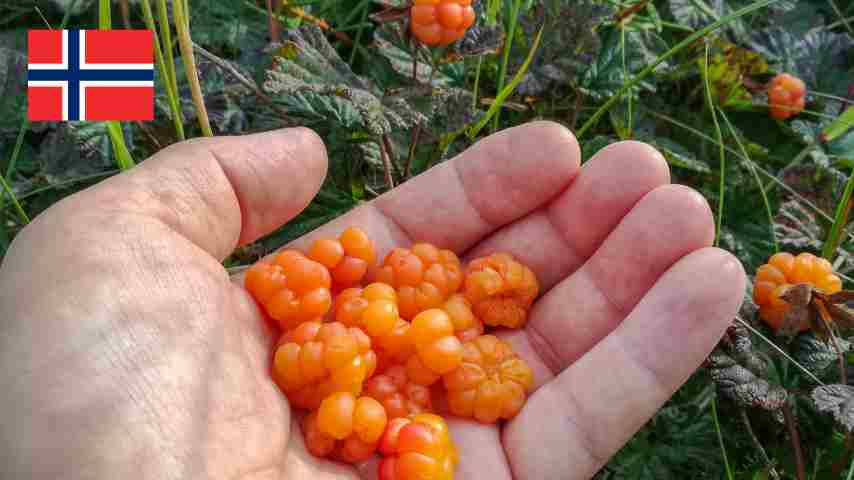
{"points": [[838, 400]]}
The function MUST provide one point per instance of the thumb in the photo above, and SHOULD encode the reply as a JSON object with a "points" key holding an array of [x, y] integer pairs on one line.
{"points": [[224, 191]]}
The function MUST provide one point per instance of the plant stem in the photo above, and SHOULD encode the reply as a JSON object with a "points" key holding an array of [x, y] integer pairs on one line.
{"points": [[690, 39], [22, 215], [125, 9], [505, 60], [722, 152], [416, 132], [746, 421], [791, 425], [105, 21], [476, 82], [171, 94], [721, 440], [186, 45], [275, 28], [840, 220], [625, 75], [389, 179], [166, 40], [114, 129]]}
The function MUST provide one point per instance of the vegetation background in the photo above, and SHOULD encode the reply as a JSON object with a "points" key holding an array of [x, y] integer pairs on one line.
{"points": [[687, 76]]}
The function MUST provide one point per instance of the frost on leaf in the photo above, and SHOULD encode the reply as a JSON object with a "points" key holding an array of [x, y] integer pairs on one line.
{"points": [[742, 386], [316, 83], [796, 229], [838, 400]]}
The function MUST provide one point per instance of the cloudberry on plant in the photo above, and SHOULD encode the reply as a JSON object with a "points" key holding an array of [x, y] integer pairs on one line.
{"points": [[417, 448], [423, 275], [492, 382], [348, 257], [315, 360], [440, 22], [398, 395], [501, 290], [292, 288], [345, 427], [783, 270], [437, 350], [373, 308], [786, 96]]}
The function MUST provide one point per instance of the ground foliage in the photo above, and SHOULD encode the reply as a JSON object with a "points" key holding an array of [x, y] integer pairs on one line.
{"points": [[380, 101]]}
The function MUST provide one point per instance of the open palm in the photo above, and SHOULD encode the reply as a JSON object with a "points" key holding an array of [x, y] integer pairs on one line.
{"points": [[135, 354]]}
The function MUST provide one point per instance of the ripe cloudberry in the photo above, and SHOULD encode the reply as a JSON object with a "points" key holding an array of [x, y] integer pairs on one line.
{"points": [[466, 325], [417, 448], [501, 290], [398, 395], [492, 382], [786, 96], [348, 257], [315, 360], [440, 22], [424, 277], [292, 288], [345, 427], [437, 350], [783, 270], [373, 308]]}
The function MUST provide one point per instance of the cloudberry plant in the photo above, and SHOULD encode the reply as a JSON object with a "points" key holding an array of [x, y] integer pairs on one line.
{"points": [[315, 360], [441, 22], [397, 394], [345, 427], [783, 270], [492, 382], [292, 288], [424, 277], [373, 308], [348, 257], [437, 350], [417, 448], [501, 290], [786, 96]]}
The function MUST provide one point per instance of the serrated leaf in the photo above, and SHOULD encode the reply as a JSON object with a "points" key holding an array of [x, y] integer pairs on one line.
{"points": [[818, 356], [678, 155], [838, 400], [387, 40], [742, 386]]}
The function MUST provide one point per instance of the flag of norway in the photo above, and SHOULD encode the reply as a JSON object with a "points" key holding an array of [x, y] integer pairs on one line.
{"points": [[90, 75]]}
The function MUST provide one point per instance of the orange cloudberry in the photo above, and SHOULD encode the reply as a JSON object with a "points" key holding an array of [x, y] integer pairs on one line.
{"points": [[441, 22], [348, 257], [423, 275], [492, 382], [317, 359], [417, 448], [373, 308], [501, 290], [437, 350], [345, 427], [786, 96], [783, 270], [292, 288], [398, 395]]}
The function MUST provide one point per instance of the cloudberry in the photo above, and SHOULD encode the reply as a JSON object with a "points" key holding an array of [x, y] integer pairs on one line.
{"points": [[315, 360], [398, 395], [347, 258], [423, 275], [292, 288], [437, 350], [492, 382], [394, 348], [783, 270], [373, 308], [345, 427], [466, 325], [501, 290], [441, 22], [417, 448], [786, 95]]}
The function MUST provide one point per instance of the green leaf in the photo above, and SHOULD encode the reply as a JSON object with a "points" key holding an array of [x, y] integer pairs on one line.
{"points": [[839, 126], [680, 156]]}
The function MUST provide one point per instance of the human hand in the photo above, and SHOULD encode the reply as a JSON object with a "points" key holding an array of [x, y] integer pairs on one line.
{"points": [[127, 350]]}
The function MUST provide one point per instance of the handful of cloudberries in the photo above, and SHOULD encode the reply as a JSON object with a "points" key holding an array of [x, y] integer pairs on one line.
{"points": [[371, 349]]}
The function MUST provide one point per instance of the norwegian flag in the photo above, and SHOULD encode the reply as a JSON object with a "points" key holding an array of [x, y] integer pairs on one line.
{"points": [[90, 75]]}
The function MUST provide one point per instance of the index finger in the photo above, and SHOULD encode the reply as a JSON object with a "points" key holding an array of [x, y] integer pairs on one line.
{"points": [[455, 204]]}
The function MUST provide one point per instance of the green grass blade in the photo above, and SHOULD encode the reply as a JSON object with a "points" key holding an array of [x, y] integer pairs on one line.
{"points": [[755, 174], [105, 21], [166, 41], [114, 129], [505, 60], [162, 70], [499, 100], [721, 151], [185, 42], [664, 56], [721, 440], [838, 126], [20, 210], [839, 220]]}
